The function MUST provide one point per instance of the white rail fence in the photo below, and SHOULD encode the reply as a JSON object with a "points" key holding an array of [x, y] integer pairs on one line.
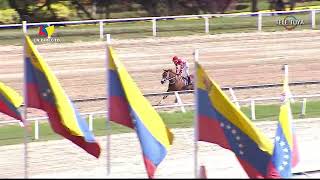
{"points": [[252, 101], [154, 20]]}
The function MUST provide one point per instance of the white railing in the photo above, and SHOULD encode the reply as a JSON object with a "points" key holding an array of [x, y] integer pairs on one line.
{"points": [[155, 19], [90, 115]]}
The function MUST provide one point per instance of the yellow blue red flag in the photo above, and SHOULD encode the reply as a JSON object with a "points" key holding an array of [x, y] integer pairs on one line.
{"points": [[10, 101], [221, 122], [128, 107], [285, 153], [44, 92]]}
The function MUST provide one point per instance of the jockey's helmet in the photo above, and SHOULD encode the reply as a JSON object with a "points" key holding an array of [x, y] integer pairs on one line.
{"points": [[175, 59]]}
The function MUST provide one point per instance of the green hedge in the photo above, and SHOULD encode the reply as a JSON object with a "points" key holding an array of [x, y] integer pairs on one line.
{"points": [[9, 16]]}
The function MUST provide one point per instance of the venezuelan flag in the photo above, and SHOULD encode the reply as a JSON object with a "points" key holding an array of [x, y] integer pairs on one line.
{"points": [[128, 107], [285, 152], [221, 122], [119, 111], [44, 92], [10, 101]]}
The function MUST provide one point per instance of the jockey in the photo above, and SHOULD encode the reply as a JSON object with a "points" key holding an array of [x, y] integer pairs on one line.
{"points": [[182, 68]]}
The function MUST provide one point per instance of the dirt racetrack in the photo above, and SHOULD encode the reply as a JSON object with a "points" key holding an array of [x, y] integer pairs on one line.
{"points": [[230, 59]]}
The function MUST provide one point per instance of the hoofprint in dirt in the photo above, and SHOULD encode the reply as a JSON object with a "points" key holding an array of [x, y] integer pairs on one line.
{"points": [[230, 59], [62, 159]]}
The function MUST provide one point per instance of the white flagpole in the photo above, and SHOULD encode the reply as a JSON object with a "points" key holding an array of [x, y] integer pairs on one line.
{"points": [[24, 118], [286, 71], [286, 76], [108, 124], [196, 133]]}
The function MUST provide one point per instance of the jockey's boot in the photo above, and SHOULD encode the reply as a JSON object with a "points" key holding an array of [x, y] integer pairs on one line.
{"points": [[189, 80]]}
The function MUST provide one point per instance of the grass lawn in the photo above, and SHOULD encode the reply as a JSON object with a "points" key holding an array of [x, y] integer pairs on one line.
{"points": [[13, 134]]}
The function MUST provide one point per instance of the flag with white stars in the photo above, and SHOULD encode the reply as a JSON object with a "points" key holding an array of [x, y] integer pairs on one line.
{"points": [[221, 122], [44, 92], [285, 153]]}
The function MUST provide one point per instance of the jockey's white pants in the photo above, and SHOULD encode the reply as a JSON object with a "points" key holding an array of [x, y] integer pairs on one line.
{"points": [[185, 71]]}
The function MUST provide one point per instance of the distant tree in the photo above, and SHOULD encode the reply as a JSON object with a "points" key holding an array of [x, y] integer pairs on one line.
{"points": [[80, 7], [279, 5], [150, 6], [176, 7], [48, 10], [254, 5], [32, 11], [172, 7], [292, 4], [22, 8], [35, 11], [213, 6]]}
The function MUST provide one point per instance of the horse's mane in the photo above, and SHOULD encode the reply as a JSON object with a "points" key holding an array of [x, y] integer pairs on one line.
{"points": [[169, 70]]}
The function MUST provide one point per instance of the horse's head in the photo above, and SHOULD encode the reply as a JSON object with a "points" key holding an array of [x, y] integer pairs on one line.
{"points": [[167, 75]]}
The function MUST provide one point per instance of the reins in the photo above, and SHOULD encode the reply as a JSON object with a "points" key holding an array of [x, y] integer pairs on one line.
{"points": [[171, 80]]}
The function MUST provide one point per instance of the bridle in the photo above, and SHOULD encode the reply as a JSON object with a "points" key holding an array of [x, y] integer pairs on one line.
{"points": [[171, 80]]}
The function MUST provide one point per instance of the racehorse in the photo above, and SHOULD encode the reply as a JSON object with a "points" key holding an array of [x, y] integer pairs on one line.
{"points": [[176, 82]]}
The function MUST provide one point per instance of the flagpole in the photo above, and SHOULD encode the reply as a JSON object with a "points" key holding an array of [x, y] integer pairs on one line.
{"points": [[286, 71], [286, 74], [286, 77], [196, 133], [108, 124], [24, 118]]}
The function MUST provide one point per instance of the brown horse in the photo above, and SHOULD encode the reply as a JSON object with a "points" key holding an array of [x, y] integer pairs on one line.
{"points": [[176, 82]]}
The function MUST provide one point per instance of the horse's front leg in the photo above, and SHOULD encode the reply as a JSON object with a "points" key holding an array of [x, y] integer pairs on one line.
{"points": [[162, 99], [165, 96]]}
